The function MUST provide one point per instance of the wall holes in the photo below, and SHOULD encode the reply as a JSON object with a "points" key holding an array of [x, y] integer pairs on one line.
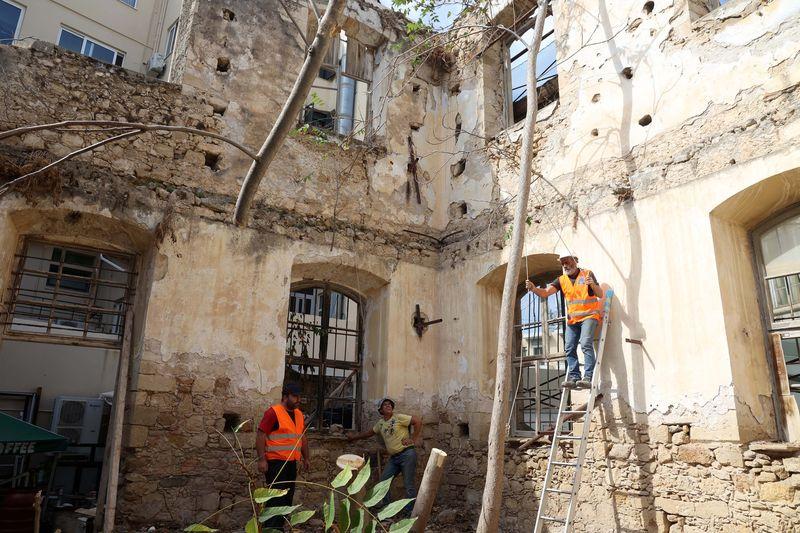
{"points": [[463, 429], [212, 160], [627, 73], [414, 87], [595, 133], [456, 169], [455, 89], [231, 421], [648, 7], [458, 125], [227, 14], [223, 64], [645, 120], [596, 98]]}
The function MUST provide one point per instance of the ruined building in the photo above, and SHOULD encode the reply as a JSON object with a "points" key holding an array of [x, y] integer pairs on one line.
{"points": [[668, 159]]}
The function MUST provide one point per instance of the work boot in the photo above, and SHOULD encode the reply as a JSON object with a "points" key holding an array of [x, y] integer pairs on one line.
{"points": [[583, 383], [569, 383]]}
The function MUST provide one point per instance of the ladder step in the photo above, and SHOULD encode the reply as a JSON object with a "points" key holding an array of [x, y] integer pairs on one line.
{"points": [[554, 519], [559, 491], [561, 463], [569, 437]]}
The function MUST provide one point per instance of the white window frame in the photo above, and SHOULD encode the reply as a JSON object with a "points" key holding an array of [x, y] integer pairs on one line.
{"points": [[19, 22], [134, 6], [93, 41], [172, 35]]}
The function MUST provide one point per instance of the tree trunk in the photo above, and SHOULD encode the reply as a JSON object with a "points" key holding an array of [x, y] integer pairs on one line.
{"points": [[493, 489], [328, 28], [428, 489]]}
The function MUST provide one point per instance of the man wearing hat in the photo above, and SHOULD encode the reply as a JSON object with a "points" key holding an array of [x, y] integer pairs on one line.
{"points": [[394, 428], [582, 296], [281, 443]]}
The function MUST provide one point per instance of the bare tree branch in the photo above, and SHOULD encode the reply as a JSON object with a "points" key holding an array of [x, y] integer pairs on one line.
{"points": [[493, 489], [69, 156], [291, 109], [296, 25], [132, 125], [314, 9]]}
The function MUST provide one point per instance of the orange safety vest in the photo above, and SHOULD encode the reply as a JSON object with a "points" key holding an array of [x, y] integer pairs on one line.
{"points": [[284, 443], [580, 306]]}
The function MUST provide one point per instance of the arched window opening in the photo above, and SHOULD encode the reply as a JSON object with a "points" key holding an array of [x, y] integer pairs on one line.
{"points": [[778, 252], [324, 354], [539, 364]]}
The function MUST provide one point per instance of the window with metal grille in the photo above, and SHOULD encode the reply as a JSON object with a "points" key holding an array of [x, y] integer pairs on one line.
{"points": [[323, 354], [778, 245], [539, 365], [78, 295]]}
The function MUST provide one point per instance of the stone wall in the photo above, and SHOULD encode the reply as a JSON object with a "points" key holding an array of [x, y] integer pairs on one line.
{"points": [[637, 478]]}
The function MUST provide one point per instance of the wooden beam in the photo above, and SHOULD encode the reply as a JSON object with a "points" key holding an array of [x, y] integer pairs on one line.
{"points": [[107, 498]]}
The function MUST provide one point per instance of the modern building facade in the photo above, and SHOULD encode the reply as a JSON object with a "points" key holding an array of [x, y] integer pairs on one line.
{"points": [[125, 33]]}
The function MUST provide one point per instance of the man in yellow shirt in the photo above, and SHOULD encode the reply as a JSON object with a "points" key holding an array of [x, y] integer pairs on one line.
{"points": [[394, 429]]}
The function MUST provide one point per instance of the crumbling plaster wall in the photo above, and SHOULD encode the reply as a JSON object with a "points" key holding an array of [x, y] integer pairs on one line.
{"points": [[210, 322], [262, 52], [635, 202]]}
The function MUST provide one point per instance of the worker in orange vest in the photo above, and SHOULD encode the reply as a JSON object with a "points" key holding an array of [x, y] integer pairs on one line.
{"points": [[281, 444], [582, 296]]}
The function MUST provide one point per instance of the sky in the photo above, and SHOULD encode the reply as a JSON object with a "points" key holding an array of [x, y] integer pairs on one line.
{"points": [[444, 20]]}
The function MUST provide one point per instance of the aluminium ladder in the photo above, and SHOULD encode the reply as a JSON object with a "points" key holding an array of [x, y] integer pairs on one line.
{"points": [[564, 409]]}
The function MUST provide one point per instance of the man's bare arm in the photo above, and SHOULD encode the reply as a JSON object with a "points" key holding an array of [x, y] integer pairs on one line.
{"points": [[261, 449], [541, 293], [596, 288], [416, 423], [351, 436]]}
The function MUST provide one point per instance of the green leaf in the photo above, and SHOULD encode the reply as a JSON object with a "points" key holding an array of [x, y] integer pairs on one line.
{"points": [[301, 517], [393, 508], [361, 479], [371, 527], [376, 493], [403, 526], [264, 494], [327, 511], [200, 527], [358, 525], [251, 526], [343, 477], [269, 512], [343, 517]]}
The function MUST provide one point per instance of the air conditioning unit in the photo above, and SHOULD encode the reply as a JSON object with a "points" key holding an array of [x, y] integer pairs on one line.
{"points": [[156, 64], [78, 419]]}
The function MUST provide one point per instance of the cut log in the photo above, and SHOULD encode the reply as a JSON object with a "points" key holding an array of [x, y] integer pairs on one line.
{"points": [[428, 489]]}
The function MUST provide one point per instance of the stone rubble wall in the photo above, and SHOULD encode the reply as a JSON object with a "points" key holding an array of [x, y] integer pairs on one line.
{"points": [[637, 478]]}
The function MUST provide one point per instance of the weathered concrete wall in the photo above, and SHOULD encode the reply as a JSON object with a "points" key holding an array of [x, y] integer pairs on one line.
{"points": [[628, 200]]}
